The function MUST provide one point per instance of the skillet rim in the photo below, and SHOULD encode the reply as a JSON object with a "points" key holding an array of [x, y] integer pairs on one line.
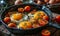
{"points": [[17, 28]]}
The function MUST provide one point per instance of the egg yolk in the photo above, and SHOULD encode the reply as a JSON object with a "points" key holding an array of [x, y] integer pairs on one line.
{"points": [[39, 14], [25, 25], [17, 16], [42, 13]]}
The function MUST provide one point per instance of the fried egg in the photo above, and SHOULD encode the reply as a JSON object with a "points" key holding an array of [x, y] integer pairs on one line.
{"points": [[25, 25], [39, 14], [17, 17]]}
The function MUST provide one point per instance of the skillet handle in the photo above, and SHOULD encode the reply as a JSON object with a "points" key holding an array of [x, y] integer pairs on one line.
{"points": [[48, 11], [52, 24]]}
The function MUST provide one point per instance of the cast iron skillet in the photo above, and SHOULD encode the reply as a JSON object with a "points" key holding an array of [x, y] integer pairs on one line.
{"points": [[29, 31]]}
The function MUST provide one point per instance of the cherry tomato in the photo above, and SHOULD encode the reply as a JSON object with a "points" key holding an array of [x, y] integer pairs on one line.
{"points": [[45, 33], [46, 18], [20, 9], [7, 19], [27, 8], [11, 25], [57, 19], [42, 22]]}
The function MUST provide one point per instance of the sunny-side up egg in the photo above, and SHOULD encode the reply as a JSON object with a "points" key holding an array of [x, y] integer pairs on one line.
{"points": [[39, 14], [17, 17], [25, 25]]}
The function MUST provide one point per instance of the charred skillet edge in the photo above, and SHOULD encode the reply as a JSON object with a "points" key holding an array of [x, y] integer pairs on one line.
{"points": [[14, 6]]}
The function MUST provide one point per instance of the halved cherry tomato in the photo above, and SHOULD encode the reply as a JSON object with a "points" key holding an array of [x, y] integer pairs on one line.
{"points": [[45, 33], [11, 25], [42, 22], [20, 9], [7, 19], [27, 8], [46, 18], [57, 19]]}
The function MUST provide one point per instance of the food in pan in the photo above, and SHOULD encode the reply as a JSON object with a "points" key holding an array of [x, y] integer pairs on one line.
{"points": [[7, 19], [27, 8], [16, 16], [46, 18], [39, 14], [25, 18], [11, 25], [21, 10], [42, 22], [25, 25]]}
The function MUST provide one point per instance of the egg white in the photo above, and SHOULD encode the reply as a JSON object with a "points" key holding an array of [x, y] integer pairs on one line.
{"points": [[25, 17], [17, 21]]}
